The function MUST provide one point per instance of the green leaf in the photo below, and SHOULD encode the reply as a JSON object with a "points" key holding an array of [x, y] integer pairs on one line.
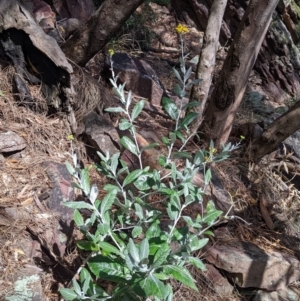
{"points": [[153, 231], [114, 162], [172, 211], [188, 74], [78, 205], [86, 279], [198, 263], [106, 204], [129, 144], [85, 181], [136, 231], [191, 104], [133, 251], [180, 155], [78, 219], [68, 294], [197, 244], [170, 107], [161, 255], [144, 249], [124, 125], [149, 146], [87, 245], [143, 181], [103, 228], [152, 286], [115, 110], [132, 176], [108, 248], [177, 75], [70, 168], [137, 109], [188, 119], [211, 217], [107, 268], [181, 274], [76, 287], [139, 211], [207, 177]]}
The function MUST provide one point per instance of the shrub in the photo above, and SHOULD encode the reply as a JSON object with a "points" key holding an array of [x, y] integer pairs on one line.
{"points": [[128, 245]]}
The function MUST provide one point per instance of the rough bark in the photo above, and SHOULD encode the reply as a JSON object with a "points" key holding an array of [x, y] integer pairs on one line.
{"points": [[100, 28], [207, 59], [231, 84], [278, 131]]}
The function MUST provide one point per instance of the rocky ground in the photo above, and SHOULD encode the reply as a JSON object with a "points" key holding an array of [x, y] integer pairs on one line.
{"points": [[253, 256]]}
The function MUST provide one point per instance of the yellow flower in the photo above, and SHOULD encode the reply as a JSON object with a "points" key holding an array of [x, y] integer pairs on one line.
{"points": [[213, 150], [181, 29], [111, 52], [70, 137], [242, 137]]}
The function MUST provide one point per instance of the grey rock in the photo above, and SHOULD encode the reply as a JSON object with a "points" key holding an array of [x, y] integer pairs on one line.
{"points": [[249, 266], [10, 142], [139, 77], [101, 134], [287, 294]]}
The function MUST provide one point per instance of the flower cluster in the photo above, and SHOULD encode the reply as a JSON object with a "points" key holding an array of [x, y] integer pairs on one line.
{"points": [[181, 29]]}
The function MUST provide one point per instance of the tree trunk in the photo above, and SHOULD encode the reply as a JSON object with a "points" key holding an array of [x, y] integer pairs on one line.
{"points": [[233, 78], [100, 28], [207, 59], [275, 133]]}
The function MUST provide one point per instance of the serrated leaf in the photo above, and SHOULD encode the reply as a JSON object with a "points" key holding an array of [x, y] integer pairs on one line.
{"points": [[103, 228], [107, 268], [137, 109], [181, 274], [132, 176], [108, 248], [197, 263], [124, 125], [144, 249], [170, 107], [68, 294], [78, 205], [78, 219], [136, 231], [129, 144]]}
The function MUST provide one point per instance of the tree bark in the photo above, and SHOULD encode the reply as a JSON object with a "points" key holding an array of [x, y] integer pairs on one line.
{"points": [[207, 59], [231, 84], [275, 133], [100, 28]]}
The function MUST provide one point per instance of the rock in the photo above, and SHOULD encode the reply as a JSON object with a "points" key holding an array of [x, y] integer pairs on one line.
{"points": [[101, 134], [139, 77], [220, 284], [27, 287], [61, 192], [11, 142], [249, 266], [287, 294]]}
